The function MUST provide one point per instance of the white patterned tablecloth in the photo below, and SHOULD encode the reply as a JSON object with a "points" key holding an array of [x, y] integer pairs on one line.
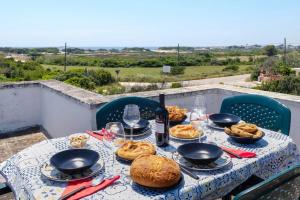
{"points": [[275, 153]]}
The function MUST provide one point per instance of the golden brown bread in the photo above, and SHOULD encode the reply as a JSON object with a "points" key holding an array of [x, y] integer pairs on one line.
{"points": [[184, 131], [250, 128], [132, 149], [176, 113], [244, 130], [155, 171]]}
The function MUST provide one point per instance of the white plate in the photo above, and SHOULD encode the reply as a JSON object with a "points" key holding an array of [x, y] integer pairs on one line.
{"points": [[214, 126], [223, 161], [53, 174], [188, 139]]}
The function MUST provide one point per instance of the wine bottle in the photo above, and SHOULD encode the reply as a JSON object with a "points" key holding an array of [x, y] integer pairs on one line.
{"points": [[162, 123]]}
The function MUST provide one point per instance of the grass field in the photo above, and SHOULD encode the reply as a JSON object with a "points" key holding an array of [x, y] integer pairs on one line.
{"points": [[145, 74]]}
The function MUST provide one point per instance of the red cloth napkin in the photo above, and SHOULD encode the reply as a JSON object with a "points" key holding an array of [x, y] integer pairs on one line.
{"points": [[100, 135], [88, 191], [243, 154]]}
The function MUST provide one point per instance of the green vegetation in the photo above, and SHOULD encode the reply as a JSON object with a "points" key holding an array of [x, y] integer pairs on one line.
{"points": [[100, 70], [138, 88], [18, 71], [177, 70], [175, 48], [148, 59], [135, 49], [84, 78], [110, 89], [147, 74], [288, 85], [29, 50], [276, 66], [176, 85], [233, 68], [270, 50]]}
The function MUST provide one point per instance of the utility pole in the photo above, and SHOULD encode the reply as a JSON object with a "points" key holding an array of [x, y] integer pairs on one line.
{"points": [[65, 68], [178, 55], [284, 58]]}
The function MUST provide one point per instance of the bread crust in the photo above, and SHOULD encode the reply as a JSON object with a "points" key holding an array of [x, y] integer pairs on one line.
{"points": [[185, 131], [176, 113], [244, 130], [155, 171], [132, 149]]}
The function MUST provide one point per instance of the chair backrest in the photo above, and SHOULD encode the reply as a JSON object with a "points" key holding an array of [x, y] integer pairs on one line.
{"points": [[260, 110], [113, 111], [285, 185]]}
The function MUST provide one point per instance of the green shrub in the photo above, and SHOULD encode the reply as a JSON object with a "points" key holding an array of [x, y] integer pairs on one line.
{"points": [[176, 70], [270, 50], [82, 82], [2, 78], [176, 85], [111, 89], [139, 88], [234, 68], [288, 85], [255, 74], [110, 63], [152, 87], [100, 77], [149, 63], [63, 76]]}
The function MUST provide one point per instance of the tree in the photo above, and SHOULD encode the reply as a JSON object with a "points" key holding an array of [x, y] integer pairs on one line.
{"points": [[270, 50]]}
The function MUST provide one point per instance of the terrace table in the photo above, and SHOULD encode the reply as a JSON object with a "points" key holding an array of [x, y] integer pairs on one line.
{"points": [[274, 153]]}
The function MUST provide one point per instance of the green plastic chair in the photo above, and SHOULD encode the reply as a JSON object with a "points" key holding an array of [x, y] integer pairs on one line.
{"points": [[113, 111], [4, 189], [285, 185], [260, 110]]}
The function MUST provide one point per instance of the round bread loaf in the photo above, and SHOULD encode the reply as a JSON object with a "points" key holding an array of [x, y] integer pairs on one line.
{"points": [[155, 171], [132, 149]]}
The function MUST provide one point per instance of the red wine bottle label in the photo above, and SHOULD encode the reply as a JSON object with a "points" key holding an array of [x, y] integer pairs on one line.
{"points": [[159, 127]]}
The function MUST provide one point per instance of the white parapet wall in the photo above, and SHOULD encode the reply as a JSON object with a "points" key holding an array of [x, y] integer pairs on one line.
{"points": [[61, 109], [58, 108], [20, 106]]}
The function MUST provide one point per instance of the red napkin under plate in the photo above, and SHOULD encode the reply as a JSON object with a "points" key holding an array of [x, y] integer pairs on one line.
{"points": [[243, 154], [100, 135], [88, 191]]}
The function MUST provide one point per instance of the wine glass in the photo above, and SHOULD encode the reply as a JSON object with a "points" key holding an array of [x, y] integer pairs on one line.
{"points": [[116, 129], [131, 116], [198, 113]]}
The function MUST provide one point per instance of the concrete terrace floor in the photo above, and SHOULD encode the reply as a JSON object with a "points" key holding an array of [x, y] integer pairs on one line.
{"points": [[12, 145]]}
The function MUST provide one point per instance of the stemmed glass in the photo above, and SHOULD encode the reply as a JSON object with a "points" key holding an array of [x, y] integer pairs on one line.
{"points": [[198, 114], [131, 117], [200, 107]]}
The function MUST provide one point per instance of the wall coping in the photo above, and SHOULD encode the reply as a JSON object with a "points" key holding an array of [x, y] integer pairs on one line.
{"points": [[94, 100]]}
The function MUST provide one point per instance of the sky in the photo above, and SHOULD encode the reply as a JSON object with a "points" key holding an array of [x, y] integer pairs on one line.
{"points": [[148, 23]]}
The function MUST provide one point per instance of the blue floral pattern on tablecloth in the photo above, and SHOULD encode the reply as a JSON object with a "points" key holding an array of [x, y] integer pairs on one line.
{"points": [[275, 152]]}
